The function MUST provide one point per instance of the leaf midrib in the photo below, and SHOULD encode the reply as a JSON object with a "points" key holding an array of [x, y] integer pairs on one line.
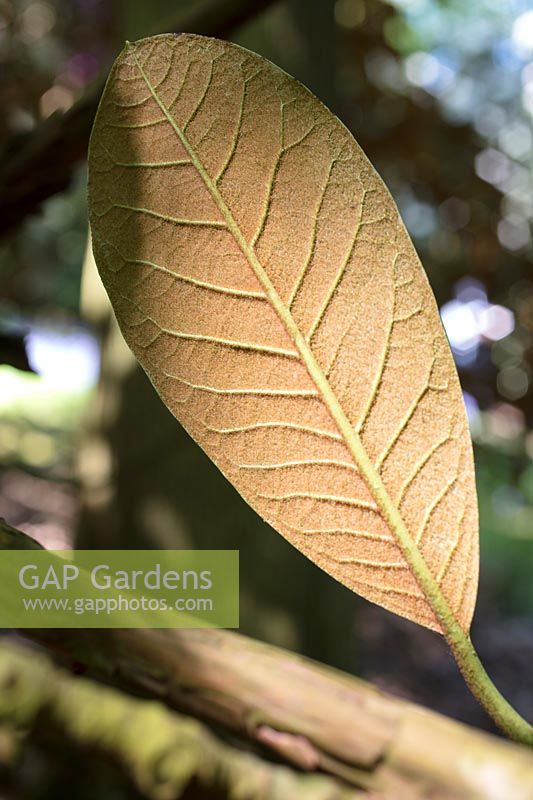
{"points": [[409, 549]]}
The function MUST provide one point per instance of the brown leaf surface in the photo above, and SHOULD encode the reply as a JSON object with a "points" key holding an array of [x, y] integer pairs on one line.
{"points": [[260, 273]]}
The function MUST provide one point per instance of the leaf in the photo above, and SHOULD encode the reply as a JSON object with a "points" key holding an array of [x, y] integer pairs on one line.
{"points": [[260, 272]]}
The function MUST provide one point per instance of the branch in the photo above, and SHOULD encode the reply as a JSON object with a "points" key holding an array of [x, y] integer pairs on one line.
{"points": [[312, 717], [13, 539], [40, 163], [160, 751]]}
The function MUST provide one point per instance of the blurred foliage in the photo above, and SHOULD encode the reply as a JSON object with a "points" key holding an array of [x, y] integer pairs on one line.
{"points": [[40, 267], [49, 53], [37, 423]]}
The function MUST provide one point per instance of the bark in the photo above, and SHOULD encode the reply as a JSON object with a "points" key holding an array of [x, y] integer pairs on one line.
{"points": [[312, 717], [160, 751]]}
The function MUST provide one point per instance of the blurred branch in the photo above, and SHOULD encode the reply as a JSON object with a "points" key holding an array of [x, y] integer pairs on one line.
{"points": [[310, 716], [39, 164], [160, 751], [13, 539]]}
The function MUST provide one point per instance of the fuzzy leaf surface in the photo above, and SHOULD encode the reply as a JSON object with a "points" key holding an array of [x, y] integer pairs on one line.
{"points": [[261, 274]]}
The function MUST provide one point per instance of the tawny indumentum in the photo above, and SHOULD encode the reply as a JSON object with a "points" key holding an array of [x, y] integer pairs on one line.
{"points": [[261, 274]]}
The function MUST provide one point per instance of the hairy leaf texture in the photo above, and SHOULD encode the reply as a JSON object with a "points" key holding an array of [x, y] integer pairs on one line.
{"points": [[260, 272]]}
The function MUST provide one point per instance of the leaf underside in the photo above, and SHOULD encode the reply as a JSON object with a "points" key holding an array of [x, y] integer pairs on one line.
{"points": [[260, 272]]}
